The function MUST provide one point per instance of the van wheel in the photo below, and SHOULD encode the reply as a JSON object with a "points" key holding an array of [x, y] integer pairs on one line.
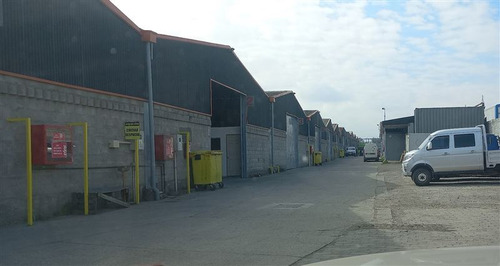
{"points": [[421, 177]]}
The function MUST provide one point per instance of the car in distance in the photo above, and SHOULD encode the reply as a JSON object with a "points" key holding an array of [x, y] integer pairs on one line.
{"points": [[351, 151]]}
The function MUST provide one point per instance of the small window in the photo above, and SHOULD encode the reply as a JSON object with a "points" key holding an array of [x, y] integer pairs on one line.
{"points": [[215, 144], [441, 142], [464, 140]]}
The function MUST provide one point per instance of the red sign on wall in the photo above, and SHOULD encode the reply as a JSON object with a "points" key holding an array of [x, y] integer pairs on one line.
{"points": [[250, 101], [169, 148], [59, 150], [164, 147], [58, 136]]}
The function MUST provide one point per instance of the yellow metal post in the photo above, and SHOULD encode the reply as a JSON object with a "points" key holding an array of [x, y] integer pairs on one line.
{"points": [[29, 168], [188, 178], [85, 166], [137, 195]]}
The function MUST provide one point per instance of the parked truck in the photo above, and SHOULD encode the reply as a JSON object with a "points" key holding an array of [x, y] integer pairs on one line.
{"points": [[453, 152]]}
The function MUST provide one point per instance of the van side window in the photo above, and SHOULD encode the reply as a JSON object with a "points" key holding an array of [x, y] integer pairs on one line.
{"points": [[441, 142], [464, 140]]}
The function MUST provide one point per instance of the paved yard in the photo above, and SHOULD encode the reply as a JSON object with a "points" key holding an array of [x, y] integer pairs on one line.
{"points": [[454, 212], [341, 209]]}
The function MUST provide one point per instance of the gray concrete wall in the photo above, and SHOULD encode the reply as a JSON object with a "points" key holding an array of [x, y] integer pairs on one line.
{"points": [[51, 104], [258, 150], [170, 121], [280, 148]]}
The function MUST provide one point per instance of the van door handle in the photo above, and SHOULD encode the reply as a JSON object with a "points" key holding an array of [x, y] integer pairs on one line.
{"points": [[445, 153], [472, 151]]}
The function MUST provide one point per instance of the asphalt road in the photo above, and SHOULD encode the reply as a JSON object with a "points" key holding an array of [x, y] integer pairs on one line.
{"points": [[343, 208]]}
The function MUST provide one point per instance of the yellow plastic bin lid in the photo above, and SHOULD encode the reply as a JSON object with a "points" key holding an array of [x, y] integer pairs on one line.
{"points": [[193, 153]]}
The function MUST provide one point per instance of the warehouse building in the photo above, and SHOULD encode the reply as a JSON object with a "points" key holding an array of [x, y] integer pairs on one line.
{"points": [[315, 126], [405, 134], [90, 63], [327, 138], [289, 129], [336, 141]]}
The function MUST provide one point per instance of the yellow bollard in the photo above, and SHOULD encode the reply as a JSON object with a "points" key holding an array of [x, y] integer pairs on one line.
{"points": [[85, 165], [29, 168], [137, 183]]}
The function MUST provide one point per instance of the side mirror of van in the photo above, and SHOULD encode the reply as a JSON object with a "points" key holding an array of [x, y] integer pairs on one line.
{"points": [[429, 146]]}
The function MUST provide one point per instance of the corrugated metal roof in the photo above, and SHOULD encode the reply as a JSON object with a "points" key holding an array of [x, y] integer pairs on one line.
{"points": [[310, 113], [277, 94], [398, 121]]}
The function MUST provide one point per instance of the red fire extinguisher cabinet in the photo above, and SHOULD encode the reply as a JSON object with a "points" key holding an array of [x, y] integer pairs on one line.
{"points": [[51, 144]]}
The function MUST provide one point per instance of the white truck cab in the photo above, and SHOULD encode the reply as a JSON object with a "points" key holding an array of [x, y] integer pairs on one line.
{"points": [[451, 152]]}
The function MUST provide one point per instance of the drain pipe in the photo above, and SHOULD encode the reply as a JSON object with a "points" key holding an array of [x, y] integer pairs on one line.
{"points": [[308, 140], [272, 100], [149, 37], [175, 170]]}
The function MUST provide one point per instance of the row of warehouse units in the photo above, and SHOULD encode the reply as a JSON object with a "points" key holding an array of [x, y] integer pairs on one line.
{"points": [[407, 133], [90, 65]]}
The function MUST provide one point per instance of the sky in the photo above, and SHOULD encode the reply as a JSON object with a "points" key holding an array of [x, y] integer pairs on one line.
{"points": [[349, 59]]}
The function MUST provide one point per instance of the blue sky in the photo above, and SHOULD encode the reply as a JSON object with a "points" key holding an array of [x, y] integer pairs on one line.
{"points": [[349, 59]]}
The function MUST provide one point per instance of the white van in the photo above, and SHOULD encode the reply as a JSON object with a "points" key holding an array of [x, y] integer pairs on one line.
{"points": [[370, 152], [451, 152]]}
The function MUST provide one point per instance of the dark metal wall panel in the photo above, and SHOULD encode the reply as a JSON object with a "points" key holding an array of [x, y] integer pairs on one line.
{"points": [[83, 43], [79, 42], [316, 121], [226, 107], [182, 73], [288, 104], [428, 120]]}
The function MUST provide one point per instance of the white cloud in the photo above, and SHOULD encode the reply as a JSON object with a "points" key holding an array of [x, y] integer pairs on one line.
{"points": [[339, 60], [469, 29]]}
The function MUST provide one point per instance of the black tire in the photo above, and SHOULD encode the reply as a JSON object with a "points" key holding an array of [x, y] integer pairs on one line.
{"points": [[221, 185], [421, 177], [212, 187]]}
